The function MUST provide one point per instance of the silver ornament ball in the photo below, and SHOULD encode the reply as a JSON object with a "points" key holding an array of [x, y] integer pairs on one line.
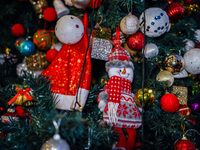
{"points": [[151, 50], [80, 4], [189, 45], [192, 61], [55, 143]]}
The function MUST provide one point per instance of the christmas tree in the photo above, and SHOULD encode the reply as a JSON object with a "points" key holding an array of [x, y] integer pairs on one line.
{"points": [[57, 58]]}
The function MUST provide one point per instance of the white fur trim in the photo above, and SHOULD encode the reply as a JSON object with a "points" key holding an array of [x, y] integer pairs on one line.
{"points": [[67, 102]]}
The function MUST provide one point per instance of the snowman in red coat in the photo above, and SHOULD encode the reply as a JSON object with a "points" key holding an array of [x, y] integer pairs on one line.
{"points": [[117, 102]]}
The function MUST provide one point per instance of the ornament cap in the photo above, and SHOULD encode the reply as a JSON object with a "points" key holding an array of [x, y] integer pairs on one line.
{"points": [[56, 137], [184, 137]]}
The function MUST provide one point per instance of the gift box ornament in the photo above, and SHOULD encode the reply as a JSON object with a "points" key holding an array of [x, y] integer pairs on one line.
{"points": [[100, 43], [100, 48], [182, 94], [37, 61]]}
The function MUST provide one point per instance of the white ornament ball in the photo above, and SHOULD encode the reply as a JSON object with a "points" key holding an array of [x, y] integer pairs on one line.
{"points": [[181, 74], [55, 143], [151, 50], [197, 35], [189, 45], [129, 24], [57, 46], [192, 61], [69, 29], [157, 22]]}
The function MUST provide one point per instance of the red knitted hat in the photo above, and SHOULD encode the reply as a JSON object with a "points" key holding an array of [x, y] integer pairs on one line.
{"points": [[119, 53]]}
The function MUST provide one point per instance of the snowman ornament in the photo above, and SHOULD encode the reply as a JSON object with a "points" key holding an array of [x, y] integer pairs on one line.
{"points": [[117, 102]]}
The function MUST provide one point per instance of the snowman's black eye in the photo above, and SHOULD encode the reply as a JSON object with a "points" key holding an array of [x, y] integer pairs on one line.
{"points": [[120, 71]]}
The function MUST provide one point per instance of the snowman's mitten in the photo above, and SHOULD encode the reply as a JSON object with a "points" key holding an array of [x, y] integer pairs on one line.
{"points": [[103, 100]]}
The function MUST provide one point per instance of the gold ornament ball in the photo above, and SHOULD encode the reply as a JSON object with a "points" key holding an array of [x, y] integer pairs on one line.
{"points": [[39, 5], [165, 76], [149, 97], [80, 4], [174, 63]]}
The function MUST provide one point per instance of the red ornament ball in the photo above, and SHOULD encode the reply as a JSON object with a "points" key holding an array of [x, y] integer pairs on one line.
{"points": [[184, 144], [175, 11], [97, 4], [49, 14], [169, 103], [135, 41], [51, 54], [188, 2], [18, 30], [20, 111]]}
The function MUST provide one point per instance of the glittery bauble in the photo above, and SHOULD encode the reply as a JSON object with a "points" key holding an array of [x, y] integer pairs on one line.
{"points": [[165, 76], [169, 103], [149, 97], [189, 45], [129, 24], [39, 5], [55, 143], [42, 39], [174, 63], [175, 11], [51, 54], [192, 61], [136, 41], [184, 144], [18, 30], [18, 41], [96, 2], [26, 48], [150, 50], [188, 2], [80, 4], [49, 14], [69, 29], [157, 22]]}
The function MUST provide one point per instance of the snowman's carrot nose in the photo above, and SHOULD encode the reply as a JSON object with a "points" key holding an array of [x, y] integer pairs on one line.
{"points": [[124, 71]]}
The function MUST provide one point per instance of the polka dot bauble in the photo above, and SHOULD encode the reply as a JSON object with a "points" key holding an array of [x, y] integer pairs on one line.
{"points": [[69, 29], [157, 22]]}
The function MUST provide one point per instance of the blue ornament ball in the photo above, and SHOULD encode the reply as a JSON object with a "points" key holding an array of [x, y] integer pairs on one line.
{"points": [[26, 48]]}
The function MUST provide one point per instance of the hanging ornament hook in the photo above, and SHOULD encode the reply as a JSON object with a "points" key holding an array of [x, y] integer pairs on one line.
{"points": [[57, 125]]}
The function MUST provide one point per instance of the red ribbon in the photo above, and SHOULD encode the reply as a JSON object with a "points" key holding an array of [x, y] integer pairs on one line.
{"points": [[20, 92], [185, 112]]}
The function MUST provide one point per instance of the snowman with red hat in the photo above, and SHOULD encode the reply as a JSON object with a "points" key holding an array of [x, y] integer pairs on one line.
{"points": [[117, 102]]}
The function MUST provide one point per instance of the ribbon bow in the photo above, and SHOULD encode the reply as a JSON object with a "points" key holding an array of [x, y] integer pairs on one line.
{"points": [[20, 92]]}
